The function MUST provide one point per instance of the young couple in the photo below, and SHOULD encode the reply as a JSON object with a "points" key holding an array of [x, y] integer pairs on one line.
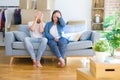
{"points": [[52, 36]]}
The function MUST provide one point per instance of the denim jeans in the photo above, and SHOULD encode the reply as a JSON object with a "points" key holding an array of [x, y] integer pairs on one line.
{"points": [[42, 46], [58, 48]]}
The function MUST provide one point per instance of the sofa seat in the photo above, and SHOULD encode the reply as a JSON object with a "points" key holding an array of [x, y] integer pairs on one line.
{"points": [[71, 46], [69, 53]]}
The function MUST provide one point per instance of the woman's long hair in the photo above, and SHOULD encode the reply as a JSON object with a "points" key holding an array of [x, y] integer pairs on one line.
{"points": [[56, 11]]}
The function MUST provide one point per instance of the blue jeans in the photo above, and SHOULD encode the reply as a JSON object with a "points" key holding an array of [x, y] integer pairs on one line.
{"points": [[42, 46], [58, 48]]}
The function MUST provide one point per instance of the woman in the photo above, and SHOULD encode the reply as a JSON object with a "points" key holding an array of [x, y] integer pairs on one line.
{"points": [[53, 32]]}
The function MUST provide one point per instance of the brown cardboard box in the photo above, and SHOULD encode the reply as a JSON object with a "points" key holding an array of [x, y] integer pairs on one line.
{"points": [[104, 70], [85, 74]]}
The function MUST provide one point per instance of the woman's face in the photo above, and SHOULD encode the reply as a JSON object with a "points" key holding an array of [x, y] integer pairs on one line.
{"points": [[55, 17]]}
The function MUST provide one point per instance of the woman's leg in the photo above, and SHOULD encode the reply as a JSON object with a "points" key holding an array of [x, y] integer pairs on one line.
{"points": [[62, 48], [41, 49], [54, 48]]}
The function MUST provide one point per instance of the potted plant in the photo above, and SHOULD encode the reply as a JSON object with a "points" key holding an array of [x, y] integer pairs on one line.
{"points": [[113, 35], [101, 47]]}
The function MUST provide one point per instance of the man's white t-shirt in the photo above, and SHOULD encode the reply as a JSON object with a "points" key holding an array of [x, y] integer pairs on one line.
{"points": [[36, 33]]}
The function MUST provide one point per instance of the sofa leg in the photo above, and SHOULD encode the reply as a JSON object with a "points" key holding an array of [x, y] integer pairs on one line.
{"points": [[11, 60], [53, 59]]}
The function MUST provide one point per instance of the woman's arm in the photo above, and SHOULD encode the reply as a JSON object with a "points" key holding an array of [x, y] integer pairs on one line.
{"points": [[60, 19], [47, 34], [62, 22]]}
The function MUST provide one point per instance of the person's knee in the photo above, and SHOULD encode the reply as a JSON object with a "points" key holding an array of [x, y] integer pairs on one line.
{"points": [[52, 43], [63, 41], [44, 40], [27, 39]]}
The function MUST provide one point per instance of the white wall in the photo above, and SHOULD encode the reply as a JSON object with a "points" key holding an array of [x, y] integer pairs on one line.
{"points": [[75, 10], [71, 9]]}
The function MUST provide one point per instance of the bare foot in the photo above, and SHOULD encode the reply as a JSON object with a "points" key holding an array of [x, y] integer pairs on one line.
{"points": [[62, 62], [34, 63], [38, 64], [59, 63]]}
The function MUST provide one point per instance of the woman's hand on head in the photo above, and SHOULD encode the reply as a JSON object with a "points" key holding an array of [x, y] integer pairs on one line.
{"points": [[58, 15]]}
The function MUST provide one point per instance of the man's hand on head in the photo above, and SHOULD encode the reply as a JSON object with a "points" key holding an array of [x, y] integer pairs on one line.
{"points": [[39, 17]]}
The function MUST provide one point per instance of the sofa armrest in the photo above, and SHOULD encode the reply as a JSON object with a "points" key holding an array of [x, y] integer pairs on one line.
{"points": [[9, 39], [95, 36]]}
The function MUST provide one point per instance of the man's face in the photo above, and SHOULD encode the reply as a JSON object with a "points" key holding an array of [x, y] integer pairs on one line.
{"points": [[39, 17], [38, 21]]}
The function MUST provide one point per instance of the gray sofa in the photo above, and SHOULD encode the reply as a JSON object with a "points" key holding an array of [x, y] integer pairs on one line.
{"points": [[83, 47]]}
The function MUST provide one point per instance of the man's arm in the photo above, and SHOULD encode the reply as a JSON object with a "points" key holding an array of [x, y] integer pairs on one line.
{"points": [[41, 24], [32, 28]]}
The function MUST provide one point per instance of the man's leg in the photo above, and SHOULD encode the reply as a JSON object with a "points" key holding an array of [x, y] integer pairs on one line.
{"points": [[28, 43], [41, 49]]}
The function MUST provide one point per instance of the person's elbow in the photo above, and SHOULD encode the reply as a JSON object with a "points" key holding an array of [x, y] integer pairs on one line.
{"points": [[41, 31]]}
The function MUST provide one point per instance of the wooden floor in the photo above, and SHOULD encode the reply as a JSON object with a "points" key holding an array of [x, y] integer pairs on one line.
{"points": [[23, 70]]}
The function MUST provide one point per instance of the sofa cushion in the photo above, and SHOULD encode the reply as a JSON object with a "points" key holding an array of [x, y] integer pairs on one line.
{"points": [[72, 36], [79, 45], [75, 37], [71, 46], [24, 28], [20, 36], [21, 45], [86, 35]]}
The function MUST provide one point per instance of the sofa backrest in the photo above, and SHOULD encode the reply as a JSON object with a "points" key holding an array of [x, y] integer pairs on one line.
{"points": [[75, 28], [81, 28]]}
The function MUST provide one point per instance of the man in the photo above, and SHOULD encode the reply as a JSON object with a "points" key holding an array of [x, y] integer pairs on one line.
{"points": [[36, 31]]}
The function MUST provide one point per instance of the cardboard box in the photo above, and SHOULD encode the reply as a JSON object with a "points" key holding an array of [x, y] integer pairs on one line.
{"points": [[85, 74], [104, 70]]}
